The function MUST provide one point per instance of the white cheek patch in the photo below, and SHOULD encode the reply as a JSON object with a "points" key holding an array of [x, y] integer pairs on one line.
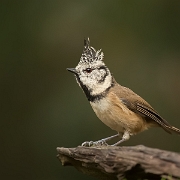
{"points": [[98, 80], [98, 88]]}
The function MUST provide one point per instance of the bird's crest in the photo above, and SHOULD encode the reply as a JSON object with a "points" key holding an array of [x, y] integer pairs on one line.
{"points": [[90, 54]]}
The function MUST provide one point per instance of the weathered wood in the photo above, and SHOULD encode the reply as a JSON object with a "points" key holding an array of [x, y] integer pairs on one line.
{"points": [[107, 162]]}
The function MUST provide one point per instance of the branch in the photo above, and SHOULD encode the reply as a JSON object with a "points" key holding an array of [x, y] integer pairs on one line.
{"points": [[107, 162]]}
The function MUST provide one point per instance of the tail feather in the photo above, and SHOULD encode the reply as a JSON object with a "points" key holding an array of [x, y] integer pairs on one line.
{"points": [[172, 129]]}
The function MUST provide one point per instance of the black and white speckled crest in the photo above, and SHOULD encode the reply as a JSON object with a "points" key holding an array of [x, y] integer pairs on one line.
{"points": [[90, 54]]}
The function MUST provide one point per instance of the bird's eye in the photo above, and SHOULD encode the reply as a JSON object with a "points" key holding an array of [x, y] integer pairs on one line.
{"points": [[88, 70]]}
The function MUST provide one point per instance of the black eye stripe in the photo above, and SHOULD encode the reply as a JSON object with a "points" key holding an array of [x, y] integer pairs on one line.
{"points": [[102, 67]]}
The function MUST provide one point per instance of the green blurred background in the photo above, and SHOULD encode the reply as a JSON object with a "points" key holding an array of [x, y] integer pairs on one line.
{"points": [[42, 107]]}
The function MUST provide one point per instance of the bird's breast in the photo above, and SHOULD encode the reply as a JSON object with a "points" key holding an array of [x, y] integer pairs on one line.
{"points": [[117, 116]]}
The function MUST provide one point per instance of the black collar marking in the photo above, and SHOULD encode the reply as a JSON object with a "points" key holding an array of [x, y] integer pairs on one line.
{"points": [[87, 92]]}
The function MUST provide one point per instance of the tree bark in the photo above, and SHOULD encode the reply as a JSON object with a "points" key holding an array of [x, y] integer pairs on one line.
{"points": [[107, 162]]}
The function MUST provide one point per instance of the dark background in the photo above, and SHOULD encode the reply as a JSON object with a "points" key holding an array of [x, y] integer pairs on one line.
{"points": [[42, 107]]}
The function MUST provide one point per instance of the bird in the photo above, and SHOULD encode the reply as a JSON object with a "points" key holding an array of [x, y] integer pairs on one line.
{"points": [[116, 106]]}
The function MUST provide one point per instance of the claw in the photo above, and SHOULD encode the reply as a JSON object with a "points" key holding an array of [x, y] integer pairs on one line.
{"points": [[85, 144], [101, 142], [91, 143], [96, 143]]}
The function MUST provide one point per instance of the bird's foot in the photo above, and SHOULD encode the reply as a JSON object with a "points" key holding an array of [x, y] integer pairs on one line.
{"points": [[95, 143]]}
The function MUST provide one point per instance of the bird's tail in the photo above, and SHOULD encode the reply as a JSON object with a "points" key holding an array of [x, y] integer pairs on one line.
{"points": [[171, 129]]}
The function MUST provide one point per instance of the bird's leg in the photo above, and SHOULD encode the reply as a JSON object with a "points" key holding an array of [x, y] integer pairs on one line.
{"points": [[100, 142], [125, 137], [103, 141]]}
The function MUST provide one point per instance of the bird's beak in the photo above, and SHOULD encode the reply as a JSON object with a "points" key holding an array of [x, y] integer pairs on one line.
{"points": [[72, 70]]}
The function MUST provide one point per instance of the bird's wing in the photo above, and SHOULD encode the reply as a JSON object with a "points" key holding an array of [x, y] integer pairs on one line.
{"points": [[138, 105], [146, 111]]}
